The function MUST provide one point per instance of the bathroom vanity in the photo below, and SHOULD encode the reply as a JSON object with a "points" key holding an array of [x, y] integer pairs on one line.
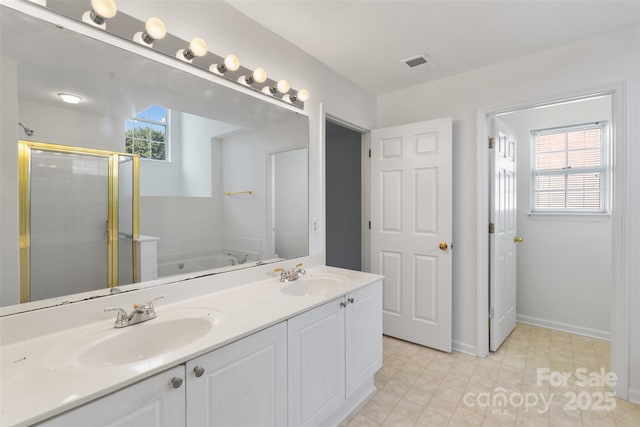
{"points": [[253, 353]]}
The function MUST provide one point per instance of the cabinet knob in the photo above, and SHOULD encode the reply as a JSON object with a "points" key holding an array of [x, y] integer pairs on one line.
{"points": [[199, 371], [343, 304], [351, 300], [176, 382]]}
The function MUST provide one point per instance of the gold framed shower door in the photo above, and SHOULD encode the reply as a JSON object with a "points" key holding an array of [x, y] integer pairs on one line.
{"points": [[24, 175]]}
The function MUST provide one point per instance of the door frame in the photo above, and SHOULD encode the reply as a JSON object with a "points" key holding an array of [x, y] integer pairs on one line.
{"points": [[620, 212], [365, 180], [269, 157]]}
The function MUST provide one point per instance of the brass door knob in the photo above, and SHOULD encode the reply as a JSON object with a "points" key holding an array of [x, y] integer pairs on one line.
{"points": [[443, 246], [518, 239]]}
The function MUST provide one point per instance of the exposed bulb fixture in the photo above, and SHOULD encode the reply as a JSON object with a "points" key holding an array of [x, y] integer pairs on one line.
{"points": [[302, 95], [70, 98], [282, 86], [101, 10], [231, 63], [197, 47], [259, 75], [154, 29]]}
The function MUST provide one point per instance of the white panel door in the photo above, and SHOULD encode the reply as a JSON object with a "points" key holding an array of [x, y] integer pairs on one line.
{"points": [[502, 241], [241, 384], [316, 364], [157, 401], [363, 336], [411, 216]]}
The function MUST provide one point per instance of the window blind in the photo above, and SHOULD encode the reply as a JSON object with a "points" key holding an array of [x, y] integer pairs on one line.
{"points": [[569, 169]]}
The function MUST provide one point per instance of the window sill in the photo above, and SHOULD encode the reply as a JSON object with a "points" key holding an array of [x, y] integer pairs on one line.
{"points": [[569, 216]]}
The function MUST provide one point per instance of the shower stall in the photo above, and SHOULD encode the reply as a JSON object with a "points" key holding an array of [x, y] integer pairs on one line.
{"points": [[79, 219]]}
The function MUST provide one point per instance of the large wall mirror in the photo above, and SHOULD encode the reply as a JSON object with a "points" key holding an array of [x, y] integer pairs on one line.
{"points": [[222, 175]]}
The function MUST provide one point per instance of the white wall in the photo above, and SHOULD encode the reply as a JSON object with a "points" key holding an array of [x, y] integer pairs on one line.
{"points": [[553, 73], [185, 225], [227, 30], [70, 125], [188, 171], [564, 265], [245, 159]]}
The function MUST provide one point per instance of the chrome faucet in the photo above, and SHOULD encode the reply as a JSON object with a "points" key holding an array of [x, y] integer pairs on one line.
{"points": [[290, 275], [140, 313], [237, 259]]}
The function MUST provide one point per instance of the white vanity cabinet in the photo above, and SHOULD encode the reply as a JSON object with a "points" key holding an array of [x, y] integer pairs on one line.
{"points": [[241, 384], [334, 350], [312, 369], [156, 401], [316, 363], [363, 336]]}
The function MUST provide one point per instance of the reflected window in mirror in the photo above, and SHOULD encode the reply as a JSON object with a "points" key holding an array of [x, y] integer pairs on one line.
{"points": [[147, 134]]}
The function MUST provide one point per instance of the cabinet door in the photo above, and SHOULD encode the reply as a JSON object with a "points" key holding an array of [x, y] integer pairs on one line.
{"points": [[363, 335], [241, 384], [316, 364], [156, 401]]}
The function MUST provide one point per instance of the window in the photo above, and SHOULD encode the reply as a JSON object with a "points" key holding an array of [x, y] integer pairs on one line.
{"points": [[146, 134], [569, 169]]}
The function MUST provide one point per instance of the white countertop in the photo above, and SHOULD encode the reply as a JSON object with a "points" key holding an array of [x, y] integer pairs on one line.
{"points": [[40, 381]]}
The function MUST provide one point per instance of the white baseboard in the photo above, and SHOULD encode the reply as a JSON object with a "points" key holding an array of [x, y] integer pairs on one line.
{"points": [[634, 395], [564, 327], [464, 347]]}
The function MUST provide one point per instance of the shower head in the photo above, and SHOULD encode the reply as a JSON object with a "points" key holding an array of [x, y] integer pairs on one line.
{"points": [[28, 131]]}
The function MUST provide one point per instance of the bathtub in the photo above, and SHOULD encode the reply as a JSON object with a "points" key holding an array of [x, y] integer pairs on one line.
{"points": [[179, 265]]}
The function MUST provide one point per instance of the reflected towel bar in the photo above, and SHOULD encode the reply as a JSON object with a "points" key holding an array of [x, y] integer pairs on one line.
{"points": [[232, 193]]}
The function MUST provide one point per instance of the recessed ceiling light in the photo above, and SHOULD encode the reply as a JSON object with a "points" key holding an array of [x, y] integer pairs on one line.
{"points": [[70, 98]]}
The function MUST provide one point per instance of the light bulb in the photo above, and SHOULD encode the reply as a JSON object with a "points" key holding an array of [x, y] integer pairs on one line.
{"points": [[105, 9], [231, 62], [198, 47], [303, 95], [259, 75], [155, 28], [283, 86]]}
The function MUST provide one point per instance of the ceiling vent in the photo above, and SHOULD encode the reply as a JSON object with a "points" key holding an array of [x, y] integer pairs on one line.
{"points": [[422, 61]]}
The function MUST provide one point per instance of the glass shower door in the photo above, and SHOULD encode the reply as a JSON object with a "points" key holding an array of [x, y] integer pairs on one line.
{"points": [[69, 221], [78, 219]]}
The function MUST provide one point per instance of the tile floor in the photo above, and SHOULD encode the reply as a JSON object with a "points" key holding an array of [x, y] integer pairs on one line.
{"points": [[418, 386]]}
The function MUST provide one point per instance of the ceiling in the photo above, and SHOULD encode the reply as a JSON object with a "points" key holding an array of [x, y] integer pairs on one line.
{"points": [[365, 41]]}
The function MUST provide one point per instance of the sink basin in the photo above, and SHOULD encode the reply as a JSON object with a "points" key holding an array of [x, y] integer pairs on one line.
{"points": [[145, 342], [105, 346], [307, 286]]}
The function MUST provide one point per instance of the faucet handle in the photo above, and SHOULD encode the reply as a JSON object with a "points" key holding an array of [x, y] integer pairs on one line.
{"points": [[122, 318], [284, 275], [147, 306], [150, 303]]}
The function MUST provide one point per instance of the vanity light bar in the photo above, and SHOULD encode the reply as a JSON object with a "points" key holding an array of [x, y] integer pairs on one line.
{"points": [[153, 34]]}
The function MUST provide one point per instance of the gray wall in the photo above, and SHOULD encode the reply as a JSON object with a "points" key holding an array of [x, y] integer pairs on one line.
{"points": [[343, 197]]}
